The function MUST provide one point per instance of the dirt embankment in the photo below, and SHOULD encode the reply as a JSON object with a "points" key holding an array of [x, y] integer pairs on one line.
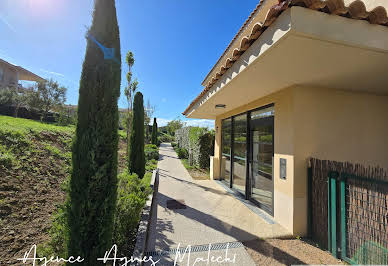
{"points": [[31, 185], [34, 169]]}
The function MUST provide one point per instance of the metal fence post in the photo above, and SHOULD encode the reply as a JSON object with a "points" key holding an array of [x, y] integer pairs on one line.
{"points": [[343, 215], [332, 202], [328, 215]]}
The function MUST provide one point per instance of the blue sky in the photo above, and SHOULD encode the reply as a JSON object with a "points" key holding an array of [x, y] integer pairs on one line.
{"points": [[175, 43]]}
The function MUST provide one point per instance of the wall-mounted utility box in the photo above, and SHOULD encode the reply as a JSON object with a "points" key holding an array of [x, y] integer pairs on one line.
{"points": [[283, 168]]}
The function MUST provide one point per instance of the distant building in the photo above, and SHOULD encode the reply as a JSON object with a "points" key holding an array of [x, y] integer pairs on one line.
{"points": [[11, 74]]}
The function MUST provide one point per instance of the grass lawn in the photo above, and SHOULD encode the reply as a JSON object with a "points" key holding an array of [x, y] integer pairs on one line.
{"points": [[196, 172], [24, 126]]}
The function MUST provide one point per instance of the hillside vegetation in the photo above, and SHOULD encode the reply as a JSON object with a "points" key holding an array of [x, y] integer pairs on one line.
{"points": [[35, 165], [35, 161]]}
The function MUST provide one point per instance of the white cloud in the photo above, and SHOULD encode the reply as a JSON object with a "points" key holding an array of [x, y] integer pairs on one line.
{"points": [[189, 122], [200, 123], [162, 121], [52, 72], [2, 18]]}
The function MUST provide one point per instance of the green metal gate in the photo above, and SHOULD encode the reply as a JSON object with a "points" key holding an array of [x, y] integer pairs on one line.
{"points": [[358, 218]]}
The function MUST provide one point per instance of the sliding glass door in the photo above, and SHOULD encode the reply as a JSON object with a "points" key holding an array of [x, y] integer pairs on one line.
{"points": [[261, 164], [247, 147]]}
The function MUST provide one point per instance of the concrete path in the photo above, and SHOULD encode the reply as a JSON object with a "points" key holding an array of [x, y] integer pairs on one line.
{"points": [[211, 216]]}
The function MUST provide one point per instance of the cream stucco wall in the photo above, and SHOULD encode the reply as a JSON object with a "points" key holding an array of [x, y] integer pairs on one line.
{"points": [[322, 123], [336, 125]]}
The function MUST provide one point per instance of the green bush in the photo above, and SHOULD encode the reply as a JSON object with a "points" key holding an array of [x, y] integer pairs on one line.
{"points": [[151, 165], [182, 153], [151, 146], [174, 144], [166, 138], [151, 152], [205, 150], [132, 195]]}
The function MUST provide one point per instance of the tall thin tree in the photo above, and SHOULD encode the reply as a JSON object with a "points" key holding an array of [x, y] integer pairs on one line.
{"points": [[129, 91], [136, 157], [154, 135], [93, 184]]}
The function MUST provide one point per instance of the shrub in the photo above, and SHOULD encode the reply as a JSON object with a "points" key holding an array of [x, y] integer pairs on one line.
{"points": [[174, 144], [136, 145], [166, 138], [200, 143], [182, 153], [93, 184], [205, 150], [151, 165], [151, 152], [151, 146], [132, 194]]}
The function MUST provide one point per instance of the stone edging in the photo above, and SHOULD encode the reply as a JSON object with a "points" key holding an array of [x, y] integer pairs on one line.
{"points": [[145, 220]]}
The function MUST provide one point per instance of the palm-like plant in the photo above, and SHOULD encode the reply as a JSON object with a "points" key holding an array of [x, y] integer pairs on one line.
{"points": [[130, 90]]}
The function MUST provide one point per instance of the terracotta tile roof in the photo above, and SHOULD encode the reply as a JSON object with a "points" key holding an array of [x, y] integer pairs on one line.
{"points": [[235, 37], [355, 9]]}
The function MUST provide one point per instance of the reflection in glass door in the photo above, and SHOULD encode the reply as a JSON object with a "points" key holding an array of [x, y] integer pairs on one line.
{"points": [[226, 133], [262, 150], [239, 153]]}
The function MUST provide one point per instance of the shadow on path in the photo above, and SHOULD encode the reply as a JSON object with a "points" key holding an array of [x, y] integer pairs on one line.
{"points": [[212, 190], [241, 235]]}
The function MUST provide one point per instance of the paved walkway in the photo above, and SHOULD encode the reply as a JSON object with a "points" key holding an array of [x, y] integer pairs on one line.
{"points": [[211, 216]]}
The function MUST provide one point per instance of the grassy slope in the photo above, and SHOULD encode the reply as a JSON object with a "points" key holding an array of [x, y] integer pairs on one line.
{"points": [[21, 125], [35, 160]]}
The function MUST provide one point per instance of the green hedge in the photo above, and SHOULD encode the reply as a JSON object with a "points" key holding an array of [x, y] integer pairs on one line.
{"points": [[206, 149], [132, 193], [151, 152], [165, 137], [200, 144], [182, 153]]}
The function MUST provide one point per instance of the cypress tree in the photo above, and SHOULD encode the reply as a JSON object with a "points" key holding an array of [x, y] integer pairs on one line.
{"points": [[136, 144], [93, 184], [154, 135]]}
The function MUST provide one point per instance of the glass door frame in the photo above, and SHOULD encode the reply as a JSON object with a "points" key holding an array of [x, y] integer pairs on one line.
{"points": [[264, 121], [249, 155]]}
